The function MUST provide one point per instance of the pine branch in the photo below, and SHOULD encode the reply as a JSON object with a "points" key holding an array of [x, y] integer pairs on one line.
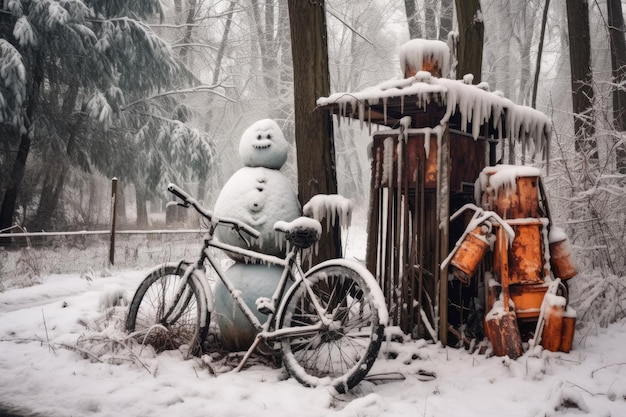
{"points": [[199, 89]]}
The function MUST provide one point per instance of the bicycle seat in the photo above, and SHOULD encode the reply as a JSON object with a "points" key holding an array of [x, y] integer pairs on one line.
{"points": [[302, 232]]}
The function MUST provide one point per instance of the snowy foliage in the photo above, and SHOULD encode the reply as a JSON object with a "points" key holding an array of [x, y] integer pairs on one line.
{"points": [[94, 67], [13, 85], [24, 32]]}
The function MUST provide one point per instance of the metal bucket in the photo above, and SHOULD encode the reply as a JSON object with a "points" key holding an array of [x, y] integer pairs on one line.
{"points": [[516, 197], [567, 334], [553, 329], [561, 261], [469, 254]]}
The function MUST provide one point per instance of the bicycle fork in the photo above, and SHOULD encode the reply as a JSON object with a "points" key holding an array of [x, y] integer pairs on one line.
{"points": [[175, 308], [279, 332]]}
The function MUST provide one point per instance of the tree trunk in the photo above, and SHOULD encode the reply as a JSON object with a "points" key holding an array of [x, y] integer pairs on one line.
{"points": [[618, 65], [265, 33], [528, 14], [285, 76], [142, 210], [184, 50], [430, 18], [314, 135], [582, 78], [412, 16], [544, 20], [446, 15], [471, 35], [51, 192], [223, 42], [17, 171]]}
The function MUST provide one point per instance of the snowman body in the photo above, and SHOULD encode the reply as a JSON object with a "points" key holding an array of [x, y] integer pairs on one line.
{"points": [[259, 197]]}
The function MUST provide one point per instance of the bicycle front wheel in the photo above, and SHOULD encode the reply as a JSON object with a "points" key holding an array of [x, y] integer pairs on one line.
{"points": [[343, 348], [187, 321]]}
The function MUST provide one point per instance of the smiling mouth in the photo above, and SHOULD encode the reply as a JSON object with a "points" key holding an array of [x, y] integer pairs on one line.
{"points": [[262, 145]]}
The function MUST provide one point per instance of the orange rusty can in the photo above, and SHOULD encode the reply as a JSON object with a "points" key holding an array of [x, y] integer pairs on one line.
{"points": [[469, 254], [561, 260], [553, 328]]}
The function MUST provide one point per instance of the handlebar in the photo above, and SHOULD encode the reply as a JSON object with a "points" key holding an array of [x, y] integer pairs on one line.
{"points": [[188, 201]]}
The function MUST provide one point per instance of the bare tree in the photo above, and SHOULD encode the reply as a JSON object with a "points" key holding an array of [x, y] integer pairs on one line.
{"points": [[314, 135], [412, 15], [471, 36], [582, 77], [618, 67], [544, 21]]}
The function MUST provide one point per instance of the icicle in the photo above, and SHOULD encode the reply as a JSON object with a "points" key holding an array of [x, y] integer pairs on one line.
{"points": [[387, 160], [385, 109], [361, 114]]}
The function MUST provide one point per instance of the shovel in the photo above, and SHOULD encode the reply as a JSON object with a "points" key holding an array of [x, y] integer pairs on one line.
{"points": [[501, 324]]}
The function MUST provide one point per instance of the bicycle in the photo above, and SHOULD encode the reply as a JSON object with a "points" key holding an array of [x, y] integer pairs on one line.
{"points": [[327, 323]]}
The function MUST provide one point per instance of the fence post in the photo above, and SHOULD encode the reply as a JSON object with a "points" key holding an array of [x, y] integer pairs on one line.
{"points": [[113, 216]]}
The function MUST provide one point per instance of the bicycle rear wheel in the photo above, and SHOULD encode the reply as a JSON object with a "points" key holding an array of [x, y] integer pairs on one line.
{"points": [[186, 325], [341, 353]]}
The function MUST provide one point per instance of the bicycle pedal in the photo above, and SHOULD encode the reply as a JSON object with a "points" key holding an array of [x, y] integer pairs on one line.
{"points": [[264, 305]]}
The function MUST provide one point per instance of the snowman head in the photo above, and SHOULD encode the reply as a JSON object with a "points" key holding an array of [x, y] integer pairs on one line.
{"points": [[263, 145]]}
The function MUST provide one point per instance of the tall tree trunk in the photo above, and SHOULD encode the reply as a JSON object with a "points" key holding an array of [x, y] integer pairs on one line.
{"points": [[51, 192], [17, 171], [528, 13], [142, 210], [178, 11], [618, 66], [471, 36], [264, 20], [223, 43], [184, 50], [582, 77], [285, 64], [446, 15], [430, 18], [412, 16], [314, 135], [544, 20]]}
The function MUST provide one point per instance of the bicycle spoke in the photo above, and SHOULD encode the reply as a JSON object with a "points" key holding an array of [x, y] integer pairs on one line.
{"points": [[150, 321], [346, 344]]}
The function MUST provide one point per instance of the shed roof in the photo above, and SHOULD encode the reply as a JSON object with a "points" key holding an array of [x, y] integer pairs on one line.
{"points": [[472, 107]]}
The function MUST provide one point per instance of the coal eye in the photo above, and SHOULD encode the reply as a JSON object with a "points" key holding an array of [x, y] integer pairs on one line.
{"points": [[258, 136], [269, 136]]}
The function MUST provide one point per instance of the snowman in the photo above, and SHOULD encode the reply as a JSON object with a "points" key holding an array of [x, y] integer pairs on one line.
{"points": [[258, 194]]}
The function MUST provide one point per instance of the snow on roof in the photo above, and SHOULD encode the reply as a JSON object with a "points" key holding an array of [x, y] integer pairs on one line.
{"points": [[475, 105], [414, 52]]}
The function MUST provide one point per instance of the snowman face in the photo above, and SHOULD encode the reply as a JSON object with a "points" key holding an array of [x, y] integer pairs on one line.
{"points": [[263, 145]]}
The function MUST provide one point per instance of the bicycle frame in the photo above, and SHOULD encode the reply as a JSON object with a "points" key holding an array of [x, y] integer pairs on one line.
{"points": [[292, 271], [269, 329]]}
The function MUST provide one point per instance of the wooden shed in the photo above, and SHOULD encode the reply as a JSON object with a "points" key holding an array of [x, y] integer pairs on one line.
{"points": [[432, 136]]}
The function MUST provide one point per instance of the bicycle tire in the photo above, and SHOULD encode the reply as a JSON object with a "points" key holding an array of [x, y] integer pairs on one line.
{"points": [[342, 354], [145, 315]]}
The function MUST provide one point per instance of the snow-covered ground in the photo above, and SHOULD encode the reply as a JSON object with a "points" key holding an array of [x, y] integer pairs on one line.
{"points": [[58, 357]]}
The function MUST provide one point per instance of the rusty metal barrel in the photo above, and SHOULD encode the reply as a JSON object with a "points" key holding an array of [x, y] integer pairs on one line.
{"points": [[469, 254], [561, 260]]}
